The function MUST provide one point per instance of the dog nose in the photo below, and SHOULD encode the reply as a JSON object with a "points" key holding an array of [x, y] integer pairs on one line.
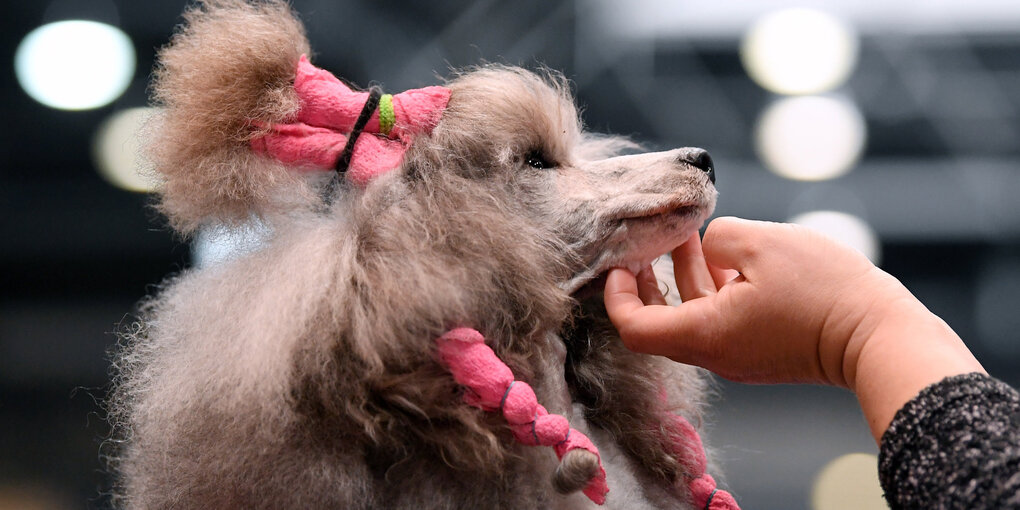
{"points": [[699, 158]]}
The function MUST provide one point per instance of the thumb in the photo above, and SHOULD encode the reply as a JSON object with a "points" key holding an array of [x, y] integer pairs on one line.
{"points": [[676, 332], [736, 243]]}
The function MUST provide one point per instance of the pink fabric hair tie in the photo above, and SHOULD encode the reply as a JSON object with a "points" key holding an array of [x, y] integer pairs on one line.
{"points": [[491, 386], [703, 489], [316, 137]]}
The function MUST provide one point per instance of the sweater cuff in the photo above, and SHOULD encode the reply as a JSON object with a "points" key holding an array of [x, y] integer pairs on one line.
{"points": [[952, 444]]}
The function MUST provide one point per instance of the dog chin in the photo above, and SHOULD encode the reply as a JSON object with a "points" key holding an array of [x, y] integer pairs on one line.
{"points": [[590, 286], [662, 238]]}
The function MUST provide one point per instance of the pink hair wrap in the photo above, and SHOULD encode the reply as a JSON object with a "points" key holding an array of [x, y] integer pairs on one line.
{"points": [[491, 386], [703, 489], [329, 109]]}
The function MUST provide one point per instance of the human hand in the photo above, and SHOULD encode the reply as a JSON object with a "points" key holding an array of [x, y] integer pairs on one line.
{"points": [[796, 313], [802, 309]]}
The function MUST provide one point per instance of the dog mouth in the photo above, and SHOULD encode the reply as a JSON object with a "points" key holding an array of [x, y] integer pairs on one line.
{"points": [[666, 213], [681, 210]]}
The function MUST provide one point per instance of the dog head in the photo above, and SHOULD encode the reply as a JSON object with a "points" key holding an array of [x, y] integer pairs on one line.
{"points": [[521, 131]]}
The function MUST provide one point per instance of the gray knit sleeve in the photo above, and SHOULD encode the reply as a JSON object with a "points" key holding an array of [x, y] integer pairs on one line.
{"points": [[955, 445]]}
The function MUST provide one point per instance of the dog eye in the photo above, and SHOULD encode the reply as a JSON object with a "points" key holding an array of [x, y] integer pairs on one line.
{"points": [[536, 160]]}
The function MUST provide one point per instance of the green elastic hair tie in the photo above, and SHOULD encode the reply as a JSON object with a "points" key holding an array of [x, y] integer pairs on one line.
{"points": [[386, 116]]}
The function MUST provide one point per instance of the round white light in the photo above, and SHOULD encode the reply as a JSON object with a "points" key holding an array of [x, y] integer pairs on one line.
{"points": [[75, 65], [810, 138], [799, 51], [117, 150], [849, 482], [844, 228]]}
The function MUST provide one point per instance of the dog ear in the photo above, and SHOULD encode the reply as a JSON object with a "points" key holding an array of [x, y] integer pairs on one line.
{"points": [[227, 71]]}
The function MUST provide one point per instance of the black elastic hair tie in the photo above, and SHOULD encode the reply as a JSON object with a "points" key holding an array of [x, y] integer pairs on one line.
{"points": [[708, 503], [374, 93], [506, 394]]}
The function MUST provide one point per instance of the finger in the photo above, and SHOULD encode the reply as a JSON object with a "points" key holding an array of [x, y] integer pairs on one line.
{"points": [[622, 296], [693, 279], [677, 332], [734, 243], [648, 287]]}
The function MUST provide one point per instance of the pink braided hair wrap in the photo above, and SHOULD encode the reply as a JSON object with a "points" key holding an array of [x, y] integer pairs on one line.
{"points": [[685, 440], [491, 386], [329, 108]]}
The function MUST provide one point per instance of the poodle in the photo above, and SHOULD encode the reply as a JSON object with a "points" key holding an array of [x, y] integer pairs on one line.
{"points": [[307, 373]]}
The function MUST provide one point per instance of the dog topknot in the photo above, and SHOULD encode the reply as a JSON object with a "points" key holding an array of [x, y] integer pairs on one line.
{"points": [[231, 66]]}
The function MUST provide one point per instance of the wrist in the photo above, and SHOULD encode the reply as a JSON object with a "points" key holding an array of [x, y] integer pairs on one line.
{"points": [[906, 350], [873, 302], [889, 328]]}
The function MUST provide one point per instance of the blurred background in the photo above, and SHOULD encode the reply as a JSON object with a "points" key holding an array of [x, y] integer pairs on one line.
{"points": [[893, 126]]}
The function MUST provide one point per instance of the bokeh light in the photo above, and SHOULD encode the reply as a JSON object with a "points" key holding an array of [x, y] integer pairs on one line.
{"points": [[75, 64], [117, 150], [845, 228], [849, 482], [799, 51], [810, 138]]}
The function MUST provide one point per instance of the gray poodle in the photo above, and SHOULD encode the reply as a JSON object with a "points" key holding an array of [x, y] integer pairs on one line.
{"points": [[305, 374]]}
